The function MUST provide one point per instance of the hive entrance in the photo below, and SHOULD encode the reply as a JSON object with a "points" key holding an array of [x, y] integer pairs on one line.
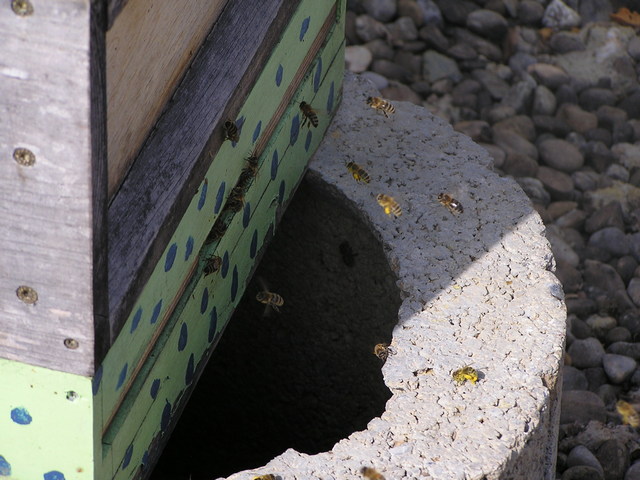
{"points": [[304, 378]]}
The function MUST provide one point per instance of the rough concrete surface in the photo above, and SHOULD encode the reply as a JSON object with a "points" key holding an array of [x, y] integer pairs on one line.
{"points": [[477, 289]]}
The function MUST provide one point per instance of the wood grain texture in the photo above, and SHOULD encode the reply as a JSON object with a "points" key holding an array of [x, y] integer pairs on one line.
{"points": [[48, 211], [149, 48], [158, 188]]}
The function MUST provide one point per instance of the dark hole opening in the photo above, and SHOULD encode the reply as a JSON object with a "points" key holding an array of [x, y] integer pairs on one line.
{"points": [[303, 378]]}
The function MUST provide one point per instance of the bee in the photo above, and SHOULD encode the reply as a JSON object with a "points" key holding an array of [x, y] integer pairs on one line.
{"points": [[371, 473], [212, 265], [453, 205], [268, 476], [383, 350], [236, 198], [465, 373], [629, 414], [389, 204], [381, 105], [217, 231], [270, 299], [231, 131], [359, 173], [310, 115]]}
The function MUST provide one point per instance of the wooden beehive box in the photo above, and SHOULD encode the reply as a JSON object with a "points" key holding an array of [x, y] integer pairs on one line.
{"points": [[118, 191]]}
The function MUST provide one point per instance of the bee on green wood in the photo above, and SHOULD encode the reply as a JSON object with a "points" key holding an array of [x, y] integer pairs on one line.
{"points": [[212, 265], [231, 131], [310, 115]]}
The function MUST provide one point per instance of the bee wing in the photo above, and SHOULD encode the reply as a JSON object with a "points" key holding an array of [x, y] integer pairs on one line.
{"points": [[263, 284]]}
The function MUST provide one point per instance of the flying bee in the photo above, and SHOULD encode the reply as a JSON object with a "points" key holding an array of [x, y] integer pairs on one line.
{"points": [[231, 131], [465, 373], [371, 473], [310, 115], [236, 198], [389, 205], [383, 350], [381, 105], [453, 205], [359, 174], [628, 413], [268, 476], [212, 265], [270, 299]]}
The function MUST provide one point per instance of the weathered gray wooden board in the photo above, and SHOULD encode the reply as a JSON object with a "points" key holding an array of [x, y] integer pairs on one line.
{"points": [[148, 206], [52, 212]]}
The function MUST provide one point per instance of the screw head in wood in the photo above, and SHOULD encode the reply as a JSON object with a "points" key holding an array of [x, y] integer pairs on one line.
{"points": [[24, 157], [27, 294], [22, 7], [71, 343]]}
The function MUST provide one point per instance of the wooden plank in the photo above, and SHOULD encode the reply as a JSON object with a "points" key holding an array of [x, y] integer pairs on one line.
{"points": [[149, 48], [145, 211], [51, 211]]}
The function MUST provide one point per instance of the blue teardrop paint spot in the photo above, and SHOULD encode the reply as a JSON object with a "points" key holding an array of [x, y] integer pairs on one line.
{"points": [[246, 215], [53, 475], [295, 129], [256, 132], [224, 269], [203, 194], [213, 323], [279, 75], [166, 416], [254, 244], [171, 256], [281, 192], [188, 376], [155, 387], [184, 335], [5, 467], [156, 312], [274, 164], [127, 456], [189, 248], [95, 383], [136, 320], [240, 123], [304, 27], [145, 458], [330, 98], [122, 376], [234, 283], [318, 76], [219, 198], [204, 301], [307, 141], [21, 416]]}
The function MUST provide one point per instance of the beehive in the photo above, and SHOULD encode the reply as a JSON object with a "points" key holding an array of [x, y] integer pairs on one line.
{"points": [[108, 312]]}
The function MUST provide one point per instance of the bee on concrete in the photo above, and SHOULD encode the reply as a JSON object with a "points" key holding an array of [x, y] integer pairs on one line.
{"points": [[268, 476], [381, 105], [389, 205], [453, 205], [628, 413], [270, 299], [231, 131], [217, 231], [236, 198], [359, 174], [348, 257], [212, 265], [371, 473], [310, 115], [383, 350], [465, 373]]}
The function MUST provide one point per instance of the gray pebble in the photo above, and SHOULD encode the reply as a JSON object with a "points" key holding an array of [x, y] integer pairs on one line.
{"points": [[553, 125], [573, 379], [609, 115], [596, 378], [617, 172], [581, 406], [595, 11], [600, 324], [608, 216], [598, 156], [580, 305], [631, 321], [436, 66], [500, 112], [431, 14], [569, 276], [456, 12], [612, 240], [593, 98], [497, 154], [582, 472], [434, 37], [381, 10], [462, 52], [390, 70], [614, 458], [402, 30], [573, 219], [477, 130], [617, 334], [520, 61], [368, 28], [519, 164], [602, 276], [357, 58], [400, 92], [520, 124], [561, 249], [520, 94], [609, 393], [601, 135], [512, 142], [578, 119], [530, 12], [586, 353], [633, 290], [410, 8], [561, 155], [496, 87], [633, 48], [633, 473], [628, 349], [618, 368], [631, 105], [480, 45], [548, 75], [581, 455], [561, 207], [380, 49], [378, 80], [626, 266], [544, 101], [558, 184], [487, 23], [559, 15], [622, 132], [564, 42]]}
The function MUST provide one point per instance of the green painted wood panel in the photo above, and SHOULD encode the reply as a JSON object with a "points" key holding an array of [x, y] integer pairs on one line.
{"points": [[149, 315], [195, 327]]}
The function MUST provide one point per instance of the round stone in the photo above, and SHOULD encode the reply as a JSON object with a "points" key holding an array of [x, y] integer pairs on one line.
{"points": [[618, 368], [561, 155]]}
